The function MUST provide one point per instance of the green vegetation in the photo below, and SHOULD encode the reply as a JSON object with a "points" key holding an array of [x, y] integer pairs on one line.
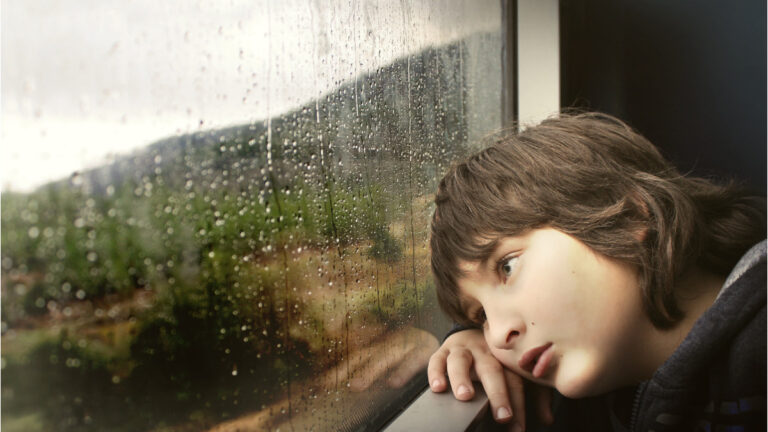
{"points": [[173, 286], [210, 341]]}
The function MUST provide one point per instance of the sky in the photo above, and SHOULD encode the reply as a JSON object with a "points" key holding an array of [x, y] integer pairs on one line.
{"points": [[83, 81]]}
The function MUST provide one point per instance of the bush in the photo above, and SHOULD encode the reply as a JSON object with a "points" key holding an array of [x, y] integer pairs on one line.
{"points": [[385, 247]]}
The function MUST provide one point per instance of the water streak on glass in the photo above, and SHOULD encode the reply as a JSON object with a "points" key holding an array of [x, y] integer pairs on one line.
{"points": [[215, 216]]}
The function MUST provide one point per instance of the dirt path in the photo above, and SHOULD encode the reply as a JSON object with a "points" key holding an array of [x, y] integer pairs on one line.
{"points": [[327, 403]]}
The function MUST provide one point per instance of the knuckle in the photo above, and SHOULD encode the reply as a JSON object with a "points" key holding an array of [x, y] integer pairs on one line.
{"points": [[497, 396], [438, 355], [491, 368], [460, 355]]}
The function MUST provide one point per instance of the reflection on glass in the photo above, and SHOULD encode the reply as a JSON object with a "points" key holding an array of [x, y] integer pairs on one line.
{"points": [[265, 267]]}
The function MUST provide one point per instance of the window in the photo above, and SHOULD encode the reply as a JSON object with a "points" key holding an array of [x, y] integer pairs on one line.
{"points": [[216, 216]]}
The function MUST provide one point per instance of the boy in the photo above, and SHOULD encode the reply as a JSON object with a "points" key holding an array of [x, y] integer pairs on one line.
{"points": [[574, 256]]}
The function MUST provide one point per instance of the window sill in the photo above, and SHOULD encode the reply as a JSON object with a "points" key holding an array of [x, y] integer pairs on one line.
{"points": [[441, 411]]}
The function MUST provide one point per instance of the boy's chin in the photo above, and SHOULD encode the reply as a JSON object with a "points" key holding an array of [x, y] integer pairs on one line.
{"points": [[574, 391], [578, 384]]}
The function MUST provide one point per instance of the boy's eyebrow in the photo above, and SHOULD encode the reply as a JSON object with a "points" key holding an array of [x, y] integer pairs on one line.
{"points": [[488, 254], [493, 249]]}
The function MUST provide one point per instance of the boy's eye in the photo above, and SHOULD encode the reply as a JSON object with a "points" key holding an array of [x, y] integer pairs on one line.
{"points": [[507, 266]]}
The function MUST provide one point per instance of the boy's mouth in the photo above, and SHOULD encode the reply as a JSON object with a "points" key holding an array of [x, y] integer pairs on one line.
{"points": [[536, 360]]}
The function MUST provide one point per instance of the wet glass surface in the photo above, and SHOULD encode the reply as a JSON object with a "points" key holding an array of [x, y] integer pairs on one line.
{"points": [[215, 216]]}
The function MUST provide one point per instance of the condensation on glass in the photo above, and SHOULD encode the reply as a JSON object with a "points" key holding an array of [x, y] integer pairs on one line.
{"points": [[215, 216]]}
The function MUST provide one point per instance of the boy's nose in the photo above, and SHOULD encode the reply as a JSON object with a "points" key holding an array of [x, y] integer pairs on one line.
{"points": [[504, 332]]}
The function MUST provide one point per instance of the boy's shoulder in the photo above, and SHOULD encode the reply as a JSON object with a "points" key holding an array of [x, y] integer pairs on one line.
{"points": [[735, 311], [741, 368], [717, 376], [753, 260]]}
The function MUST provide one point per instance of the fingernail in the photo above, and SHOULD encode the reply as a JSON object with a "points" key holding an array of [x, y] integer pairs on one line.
{"points": [[435, 384], [464, 390], [517, 428], [502, 413]]}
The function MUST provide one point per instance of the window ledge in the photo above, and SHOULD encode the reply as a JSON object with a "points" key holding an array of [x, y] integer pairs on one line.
{"points": [[441, 411]]}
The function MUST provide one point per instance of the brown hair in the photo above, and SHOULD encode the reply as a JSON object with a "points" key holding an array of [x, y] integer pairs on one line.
{"points": [[591, 176]]}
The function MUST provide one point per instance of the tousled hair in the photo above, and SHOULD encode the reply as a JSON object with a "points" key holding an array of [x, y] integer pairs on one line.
{"points": [[592, 177]]}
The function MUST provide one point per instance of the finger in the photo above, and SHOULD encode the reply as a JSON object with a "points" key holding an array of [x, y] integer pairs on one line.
{"points": [[543, 397], [516, 388], [458, 364], [491, 374], [436, 370]]}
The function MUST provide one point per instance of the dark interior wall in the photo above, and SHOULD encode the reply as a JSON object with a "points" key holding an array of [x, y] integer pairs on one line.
{"points": [[688, 74]]}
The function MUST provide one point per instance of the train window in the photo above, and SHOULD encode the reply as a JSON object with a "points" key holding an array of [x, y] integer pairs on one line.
{"points": [[215, 214]]}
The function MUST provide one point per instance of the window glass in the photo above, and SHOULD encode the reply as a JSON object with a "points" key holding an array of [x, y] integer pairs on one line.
{"points": [[215, 214]]}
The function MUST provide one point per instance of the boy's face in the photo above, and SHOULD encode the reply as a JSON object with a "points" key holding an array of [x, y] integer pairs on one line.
{"points": [[558, 313]]}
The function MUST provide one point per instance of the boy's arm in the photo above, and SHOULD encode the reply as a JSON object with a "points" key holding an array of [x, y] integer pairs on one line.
{"points": [[464, 356]]}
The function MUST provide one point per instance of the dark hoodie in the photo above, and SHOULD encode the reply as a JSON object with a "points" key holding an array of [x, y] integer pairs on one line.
{"points": [[714, 381]]}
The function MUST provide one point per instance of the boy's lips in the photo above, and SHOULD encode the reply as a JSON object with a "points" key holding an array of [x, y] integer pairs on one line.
{"points": [[536, 360]]}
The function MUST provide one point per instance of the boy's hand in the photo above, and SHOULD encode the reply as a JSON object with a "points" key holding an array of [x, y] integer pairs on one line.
{"points": [[465, 356]]}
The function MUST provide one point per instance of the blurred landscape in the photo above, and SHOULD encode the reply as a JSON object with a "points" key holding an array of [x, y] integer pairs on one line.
{"points": [[221, 273]]}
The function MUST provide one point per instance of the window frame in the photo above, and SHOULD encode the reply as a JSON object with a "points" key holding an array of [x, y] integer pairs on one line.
{"points": [[442, 411]]}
